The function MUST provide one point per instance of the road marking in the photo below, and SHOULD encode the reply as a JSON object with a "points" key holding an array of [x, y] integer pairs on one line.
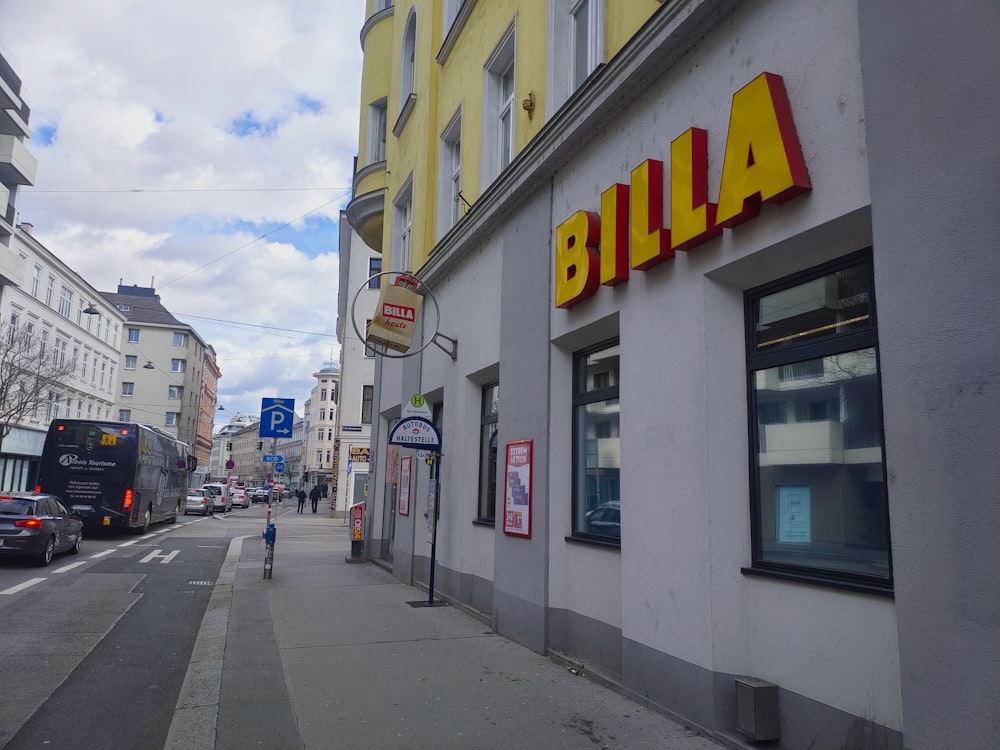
{"points": [[64, 568], [158, 553], [101, 554], [22, 586], [129, 544]]}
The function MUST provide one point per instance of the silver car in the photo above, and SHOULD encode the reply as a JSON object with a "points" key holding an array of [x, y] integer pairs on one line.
{"points": [[199, 501]]}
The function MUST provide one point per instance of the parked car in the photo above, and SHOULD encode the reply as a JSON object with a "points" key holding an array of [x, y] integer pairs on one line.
{"points": [[37, 526], [221, 496], [259, 495], [199, 501], [240, 498]]}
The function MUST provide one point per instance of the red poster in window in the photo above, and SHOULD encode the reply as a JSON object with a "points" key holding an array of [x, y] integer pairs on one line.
{"points": [[517, 489], [405, 469]]}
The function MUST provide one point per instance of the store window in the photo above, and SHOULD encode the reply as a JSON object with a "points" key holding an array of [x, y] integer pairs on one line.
{"points": [[818, 499], [489, 416], [597, 444]]}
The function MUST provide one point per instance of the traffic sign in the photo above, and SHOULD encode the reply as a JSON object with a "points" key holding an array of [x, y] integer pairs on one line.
{"points": [[272, 459], [416, 432], [279, 468], [276, 417]]}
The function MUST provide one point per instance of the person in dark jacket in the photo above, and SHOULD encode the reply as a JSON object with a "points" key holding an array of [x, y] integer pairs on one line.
{"points": [[314, 497], [301, 496]]}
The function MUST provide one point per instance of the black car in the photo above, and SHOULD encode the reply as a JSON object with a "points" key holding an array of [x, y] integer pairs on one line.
{"points": [[37, 526]]}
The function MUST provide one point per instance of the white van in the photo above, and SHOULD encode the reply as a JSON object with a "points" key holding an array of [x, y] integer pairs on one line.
{"points": [[220, 496]]}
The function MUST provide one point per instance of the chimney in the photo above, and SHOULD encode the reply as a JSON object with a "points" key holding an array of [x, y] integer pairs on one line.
{"points": [[26, 227]]}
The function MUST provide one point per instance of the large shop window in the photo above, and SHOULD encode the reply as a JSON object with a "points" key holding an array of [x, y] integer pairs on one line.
{"points": [[819, 508], [597, 444], [489, 416]]}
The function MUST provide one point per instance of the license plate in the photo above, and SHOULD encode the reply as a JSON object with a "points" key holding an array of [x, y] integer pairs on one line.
{"points": [[82, 508]]}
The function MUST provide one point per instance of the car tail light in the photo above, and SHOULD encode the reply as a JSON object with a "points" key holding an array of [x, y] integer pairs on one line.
{"points": [[28, 523], [127, 504]]}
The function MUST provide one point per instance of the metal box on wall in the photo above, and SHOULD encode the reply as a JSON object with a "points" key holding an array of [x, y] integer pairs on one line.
{"points": [[757, 708]]}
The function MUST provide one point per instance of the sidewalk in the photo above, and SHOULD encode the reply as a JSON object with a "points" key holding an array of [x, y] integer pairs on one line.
{"points": [[332, 655]]}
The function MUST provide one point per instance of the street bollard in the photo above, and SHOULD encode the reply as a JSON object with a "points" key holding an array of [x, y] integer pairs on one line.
{"points": [[270, 533]]}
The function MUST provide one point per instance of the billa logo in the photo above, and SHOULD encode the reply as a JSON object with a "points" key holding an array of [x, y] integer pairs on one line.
{"points": [[399, 312]]}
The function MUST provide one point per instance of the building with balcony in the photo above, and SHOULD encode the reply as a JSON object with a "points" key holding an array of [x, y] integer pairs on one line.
{"points": [[723, 416], [17, 165]]}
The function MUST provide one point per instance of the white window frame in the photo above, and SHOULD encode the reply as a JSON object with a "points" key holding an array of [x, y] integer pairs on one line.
{"points": [[594, 18], [408, 59], [36, 279], [172, 418], [561, 46], [124, 415], [131, 361], [402, 241], [177, 365], [499, 115], [132, 340], [450, 171], [65, 301], [128, 388], [175, 392], [378, 124], [50, 290], [180, 338]]}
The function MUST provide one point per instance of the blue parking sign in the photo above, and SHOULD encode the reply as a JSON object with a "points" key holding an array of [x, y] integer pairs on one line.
{"points": [[276, 417]]}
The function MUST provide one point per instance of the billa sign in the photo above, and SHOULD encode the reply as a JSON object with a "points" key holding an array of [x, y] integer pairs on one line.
{"points": [[396, 314], [763, 163]]}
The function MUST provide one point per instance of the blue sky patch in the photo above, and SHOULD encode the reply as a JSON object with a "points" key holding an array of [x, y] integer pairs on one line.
{"points": [[306, 104], [44, 135], [246, 126]]}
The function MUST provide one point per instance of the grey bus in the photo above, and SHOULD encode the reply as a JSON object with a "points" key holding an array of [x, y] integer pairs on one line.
{"points": [[115, 475]]}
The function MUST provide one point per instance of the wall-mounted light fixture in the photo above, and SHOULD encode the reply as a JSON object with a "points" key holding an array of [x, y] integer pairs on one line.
{"points": [[528, 105], [149, 365], [91, 310]]}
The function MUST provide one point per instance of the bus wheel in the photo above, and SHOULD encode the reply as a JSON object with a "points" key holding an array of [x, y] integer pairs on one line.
{"points": [[147, 519], [177, 512]]}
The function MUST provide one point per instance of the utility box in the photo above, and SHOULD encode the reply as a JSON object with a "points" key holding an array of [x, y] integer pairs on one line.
{"points": [[757, 708]]}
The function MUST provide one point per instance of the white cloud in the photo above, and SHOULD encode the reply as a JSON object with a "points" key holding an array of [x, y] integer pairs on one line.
{"points": [[194, 104]]}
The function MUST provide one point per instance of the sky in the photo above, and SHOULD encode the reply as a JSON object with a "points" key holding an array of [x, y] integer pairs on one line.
{"points": [[204, 148]]}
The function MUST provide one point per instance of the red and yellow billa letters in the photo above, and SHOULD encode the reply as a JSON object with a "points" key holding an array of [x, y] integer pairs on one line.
{"points": [[763, 162]]}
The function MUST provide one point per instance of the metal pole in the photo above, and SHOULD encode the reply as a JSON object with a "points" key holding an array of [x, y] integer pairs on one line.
{"points": [[435, 473]]}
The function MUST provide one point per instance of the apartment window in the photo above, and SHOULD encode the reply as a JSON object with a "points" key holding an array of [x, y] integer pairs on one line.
{"points": [[367, 396], [177, 365], [489, 415], [322, 415], [104, 366], [50, 289], [128, 388], [596, 444], [498, 117], [133, 335], [404, 228], [818, 502], [79, 408], [43, 345], [107, 329], [319, 433], [12, 329], [36, 278], [86, 359], [369, 351], [408, 73], [175, 392], [59, 353], [450, 169], [322, 394], [124, 415], [587, 38], [180, 338], [173, 418], [374, 268], [79, 311], [130, 361], [65, 302], [377, 115], [29, 334], [124, 307]]}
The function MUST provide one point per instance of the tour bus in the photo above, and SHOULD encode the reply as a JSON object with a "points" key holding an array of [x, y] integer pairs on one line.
{"points": [[115, 475]]}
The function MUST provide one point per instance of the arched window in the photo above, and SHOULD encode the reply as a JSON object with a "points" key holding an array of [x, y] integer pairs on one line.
{"points": [[408, 75]]}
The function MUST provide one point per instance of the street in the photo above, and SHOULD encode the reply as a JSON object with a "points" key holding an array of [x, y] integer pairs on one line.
{"points": [[94, 648]]}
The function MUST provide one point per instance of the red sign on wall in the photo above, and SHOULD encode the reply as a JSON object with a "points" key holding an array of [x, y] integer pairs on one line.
{"points": [[517, 489]]}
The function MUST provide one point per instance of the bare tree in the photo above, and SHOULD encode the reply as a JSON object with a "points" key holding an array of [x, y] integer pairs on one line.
{"points": [[33, 373]]}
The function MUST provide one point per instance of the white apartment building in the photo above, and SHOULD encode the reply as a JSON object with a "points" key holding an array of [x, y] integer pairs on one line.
{"points": [[17, 165], [321, 418], [359, 290], [44, 298]]}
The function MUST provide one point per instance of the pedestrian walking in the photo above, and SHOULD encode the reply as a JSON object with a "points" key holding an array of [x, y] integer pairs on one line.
{"points": [[314, 497], [301, 496]]}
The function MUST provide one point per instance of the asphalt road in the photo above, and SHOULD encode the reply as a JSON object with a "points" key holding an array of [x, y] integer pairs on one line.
{"points": [[94, 648]]}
